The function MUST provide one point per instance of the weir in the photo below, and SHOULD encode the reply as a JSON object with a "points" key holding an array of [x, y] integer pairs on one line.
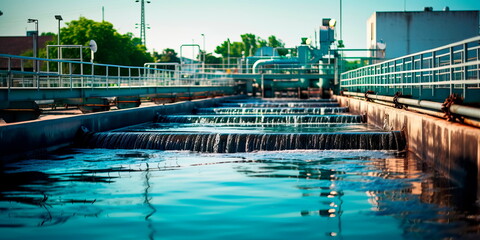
{"points": [[261, 119], [220, 139], [272, 110]]}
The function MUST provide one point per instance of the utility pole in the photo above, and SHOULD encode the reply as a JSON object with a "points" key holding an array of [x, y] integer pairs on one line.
{"points": [[143, 37], [341, 20]]}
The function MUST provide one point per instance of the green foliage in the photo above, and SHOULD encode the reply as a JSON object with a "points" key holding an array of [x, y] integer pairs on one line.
{"points": [[113, 47], [210, 59], [48, 34], [167, 55], [274, 42], [249, 44], [236, 49]]}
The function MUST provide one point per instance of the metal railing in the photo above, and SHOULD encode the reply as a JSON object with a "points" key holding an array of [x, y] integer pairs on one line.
{"points": [[276, 68], [19, 72], [433, 74]]}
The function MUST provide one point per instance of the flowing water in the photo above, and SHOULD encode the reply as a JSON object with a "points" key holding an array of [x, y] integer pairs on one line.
{"points": [[234, 177]]}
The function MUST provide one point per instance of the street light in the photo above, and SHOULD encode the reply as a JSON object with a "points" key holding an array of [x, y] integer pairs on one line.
{"points": [[59, 18], [204, 51], [35, 41]]}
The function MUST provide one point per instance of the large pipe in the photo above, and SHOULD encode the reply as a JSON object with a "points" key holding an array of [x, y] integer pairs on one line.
{"points": [[271, 61], [454, 108]]}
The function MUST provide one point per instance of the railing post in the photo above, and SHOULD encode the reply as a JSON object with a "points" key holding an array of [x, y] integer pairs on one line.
{"points": [[465, 68], [9, 74], [106, 77], [420, 88], [93, 75], [129, 76], [118, 78], [452, 73], [70, 72], [37, 73], [432, 72]]}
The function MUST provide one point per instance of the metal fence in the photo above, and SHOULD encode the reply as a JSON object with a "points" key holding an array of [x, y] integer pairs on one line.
{"points": [[29, 72], [433, 74]]}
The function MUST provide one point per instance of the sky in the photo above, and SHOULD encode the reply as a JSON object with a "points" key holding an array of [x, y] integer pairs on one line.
{"points": [[176, 22]]}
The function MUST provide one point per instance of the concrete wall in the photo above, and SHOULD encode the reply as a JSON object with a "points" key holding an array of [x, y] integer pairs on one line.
{"points": [[450, 148], [26, 139], [410, 32]]}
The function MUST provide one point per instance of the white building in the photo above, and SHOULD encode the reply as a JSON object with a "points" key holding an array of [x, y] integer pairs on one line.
{"points": [[410, 32]]}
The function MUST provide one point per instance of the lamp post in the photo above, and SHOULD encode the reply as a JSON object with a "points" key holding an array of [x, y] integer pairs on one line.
{"points": [[59, 18], [228, 52], [59, 55], [204, 52], [35, 42]]}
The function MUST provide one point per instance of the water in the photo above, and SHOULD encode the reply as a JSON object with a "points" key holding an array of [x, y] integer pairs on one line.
{"points": [[280, 104], [272, 110], [275, 120], [242, 177]]}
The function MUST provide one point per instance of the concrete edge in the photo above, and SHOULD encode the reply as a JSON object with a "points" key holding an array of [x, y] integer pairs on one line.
{"points": [[23, 140]]}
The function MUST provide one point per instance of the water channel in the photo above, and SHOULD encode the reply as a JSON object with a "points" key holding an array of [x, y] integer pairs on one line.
{"points": [[246, 169]]}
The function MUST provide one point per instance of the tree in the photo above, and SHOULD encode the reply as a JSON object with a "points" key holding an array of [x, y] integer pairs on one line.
{"points": [[113, 47], [236, 49], [250, 42], [167, 55], [274, 42], [277, 43], [210, 59]]}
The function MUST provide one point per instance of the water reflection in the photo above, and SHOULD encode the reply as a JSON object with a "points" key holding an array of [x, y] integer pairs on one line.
{"points": [[330, 189], [149, 204]]}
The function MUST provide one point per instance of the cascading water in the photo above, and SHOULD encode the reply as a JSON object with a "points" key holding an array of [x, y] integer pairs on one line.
{"points": [[260, 119], [280, 104], [232, 142], [247, 129], [273, 110]]}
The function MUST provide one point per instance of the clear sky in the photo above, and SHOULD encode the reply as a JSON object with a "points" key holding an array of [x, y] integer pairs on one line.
{"points": [[176, 22]]}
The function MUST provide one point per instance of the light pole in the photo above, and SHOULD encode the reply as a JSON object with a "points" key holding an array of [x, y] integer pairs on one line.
{"points": [[59, 18], [204, 52], [35, 42], [228, 52]]}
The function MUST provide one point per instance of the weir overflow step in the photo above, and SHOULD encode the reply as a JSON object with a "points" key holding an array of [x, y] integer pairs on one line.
{"points": [[253, 125]]}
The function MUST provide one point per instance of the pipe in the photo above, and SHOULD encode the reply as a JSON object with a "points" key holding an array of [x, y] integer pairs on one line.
{"points": [[454, 108], [260, 62], [465, 111], [421, 103], [271, 61]]}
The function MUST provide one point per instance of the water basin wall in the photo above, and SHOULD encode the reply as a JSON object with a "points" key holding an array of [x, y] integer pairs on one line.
{"points": [[19, 140], [450, 148]]}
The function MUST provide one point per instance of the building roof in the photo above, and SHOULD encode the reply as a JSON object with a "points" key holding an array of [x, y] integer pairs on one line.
{"points": [[20, 44]]}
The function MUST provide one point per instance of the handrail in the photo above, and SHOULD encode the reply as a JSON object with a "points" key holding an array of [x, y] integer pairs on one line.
{"points": [[77, 74], [453, 68]]}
